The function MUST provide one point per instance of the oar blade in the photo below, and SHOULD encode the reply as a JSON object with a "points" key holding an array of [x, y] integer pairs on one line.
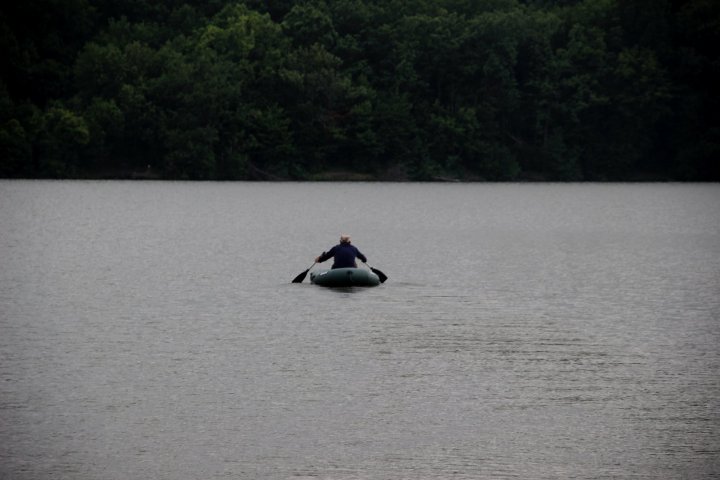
{"points": [[301, 277], [380, 274]]}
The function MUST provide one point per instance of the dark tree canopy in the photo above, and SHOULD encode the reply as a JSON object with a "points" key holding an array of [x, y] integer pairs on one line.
{"points": [[361, 89]]}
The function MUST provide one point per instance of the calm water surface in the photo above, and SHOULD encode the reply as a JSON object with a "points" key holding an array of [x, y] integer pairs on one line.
{"points": [[150, 330]]}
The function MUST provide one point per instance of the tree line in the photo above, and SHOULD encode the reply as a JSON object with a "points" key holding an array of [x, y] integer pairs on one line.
{"points": [[361, 89]]}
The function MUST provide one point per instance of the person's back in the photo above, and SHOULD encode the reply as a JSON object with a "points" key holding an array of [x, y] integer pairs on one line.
{"points": [[344, 254]]}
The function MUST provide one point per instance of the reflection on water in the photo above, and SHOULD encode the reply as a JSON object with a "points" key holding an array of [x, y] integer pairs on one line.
{"points": [[150, 330]]}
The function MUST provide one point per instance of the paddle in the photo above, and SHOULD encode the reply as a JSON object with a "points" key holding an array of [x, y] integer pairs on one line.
{"points": [[377, 272], [302, 276]]}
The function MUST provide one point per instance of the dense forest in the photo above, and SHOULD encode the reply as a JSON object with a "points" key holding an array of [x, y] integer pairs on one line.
{"points": [[361, 89]]}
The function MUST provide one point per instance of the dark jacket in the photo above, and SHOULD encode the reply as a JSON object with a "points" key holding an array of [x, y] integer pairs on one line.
{"points": [[344, 254]]}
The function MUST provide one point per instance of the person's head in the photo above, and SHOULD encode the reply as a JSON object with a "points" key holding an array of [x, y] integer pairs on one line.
{"points": [[344, 238]]}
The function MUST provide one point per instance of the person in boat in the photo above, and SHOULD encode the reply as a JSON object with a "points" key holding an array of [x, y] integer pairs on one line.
{"points": [[344, 254]]}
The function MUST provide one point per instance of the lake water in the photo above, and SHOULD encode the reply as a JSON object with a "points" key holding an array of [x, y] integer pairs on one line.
{"points": [[150, 331]]}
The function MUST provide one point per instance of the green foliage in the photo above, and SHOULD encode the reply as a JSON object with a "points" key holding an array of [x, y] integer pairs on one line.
{"points": [[411, 89], [106, 125], [310, 23], [15, 149], [60, 141]]}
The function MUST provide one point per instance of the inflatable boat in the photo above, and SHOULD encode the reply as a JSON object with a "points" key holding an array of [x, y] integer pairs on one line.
{"points": [[345, 277]]}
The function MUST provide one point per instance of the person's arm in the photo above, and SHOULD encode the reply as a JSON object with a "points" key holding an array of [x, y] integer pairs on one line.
{"points": [[326, 255], [360, 255]]}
